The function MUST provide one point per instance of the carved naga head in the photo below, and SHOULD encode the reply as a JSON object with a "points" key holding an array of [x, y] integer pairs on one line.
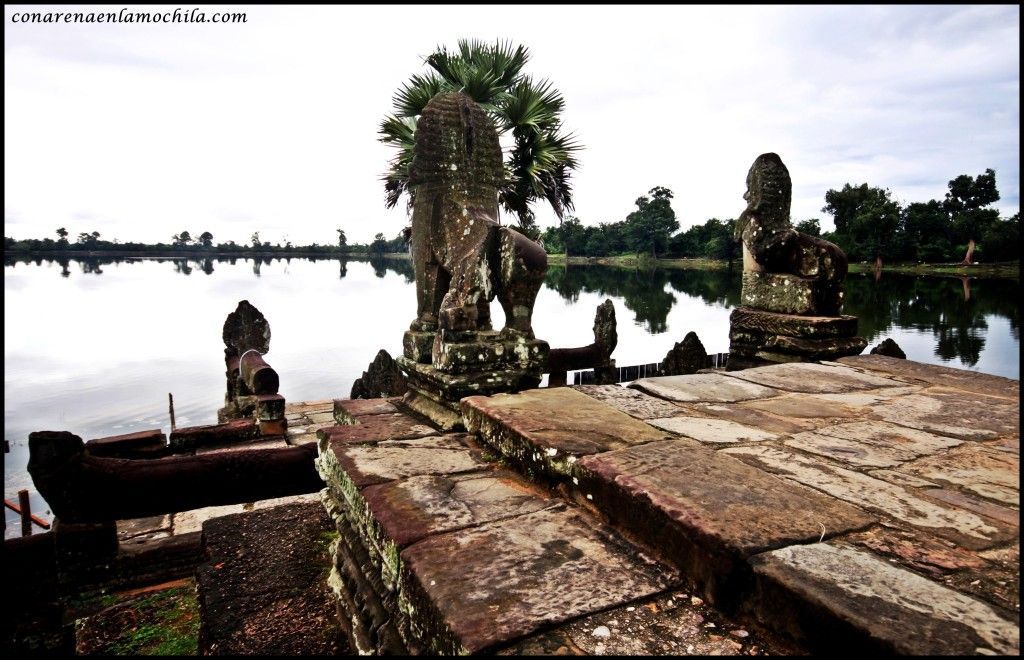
{"points": [[769, 193]]}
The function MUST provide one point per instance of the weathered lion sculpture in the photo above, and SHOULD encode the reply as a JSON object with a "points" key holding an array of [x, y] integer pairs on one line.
{"points": [[461, 256]]}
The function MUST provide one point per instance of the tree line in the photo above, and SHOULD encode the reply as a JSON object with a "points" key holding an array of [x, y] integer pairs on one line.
{"points": [[869, 223], [203, 243]]}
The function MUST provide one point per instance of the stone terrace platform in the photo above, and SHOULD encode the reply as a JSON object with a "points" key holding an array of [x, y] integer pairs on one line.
{"points": [[870, 504]]}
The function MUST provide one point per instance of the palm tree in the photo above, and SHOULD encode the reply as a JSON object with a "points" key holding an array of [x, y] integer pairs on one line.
{"points": [[542, 157]]}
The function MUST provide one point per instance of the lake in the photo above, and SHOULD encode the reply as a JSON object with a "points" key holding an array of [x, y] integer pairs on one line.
{"points": [[93, 346]]}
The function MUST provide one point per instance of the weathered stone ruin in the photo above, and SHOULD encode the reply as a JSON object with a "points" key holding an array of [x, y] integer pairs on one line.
{"points": [[596, 355], [463, 259], [381, 379], [889, 348], [686, 357], [251, 383], [792, 297]]}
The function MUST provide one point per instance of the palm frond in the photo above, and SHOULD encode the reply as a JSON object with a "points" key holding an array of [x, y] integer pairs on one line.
{"points": [[413, 96], [531, 105]]}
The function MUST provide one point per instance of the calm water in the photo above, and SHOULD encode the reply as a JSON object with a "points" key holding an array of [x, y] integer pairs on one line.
{"points": [[93, 347]]}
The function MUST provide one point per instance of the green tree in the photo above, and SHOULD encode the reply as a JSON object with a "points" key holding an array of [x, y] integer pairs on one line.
{"points": [[810, 226], [182, 239], [379, 245], [966, 204], [541, 159], [866, 220], [62, 237], [926, 231], [1002, 239], [342, 239], [206, 238], [651, 225], [255, 239]]}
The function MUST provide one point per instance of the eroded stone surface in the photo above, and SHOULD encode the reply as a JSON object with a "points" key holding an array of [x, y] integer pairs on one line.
{"points": [[702, 387], [951, 412], [961, 379], [375, 428], [134, 527], [991, 474], [871, 444], [347, 411], [900, 610], [630, 401], [414, 508], [751, 416], [707, 429], [549, 425], [518, 575], [800, 406], [369, 464], [817, 378], [880, 496], [705, 510]]}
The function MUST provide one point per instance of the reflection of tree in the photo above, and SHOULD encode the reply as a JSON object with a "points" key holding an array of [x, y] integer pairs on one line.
{"points": [[181, 266], [208, 266], [64, 263], [380, 266], [256, 263], [342, 268], [954, 312], [642, 290], [91, 265]]}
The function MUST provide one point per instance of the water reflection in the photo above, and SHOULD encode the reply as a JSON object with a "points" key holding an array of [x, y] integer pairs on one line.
{"points": [[955, 311]]}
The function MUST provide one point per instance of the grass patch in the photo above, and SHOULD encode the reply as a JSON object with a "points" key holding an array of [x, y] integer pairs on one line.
{"points": [[160, 623]]}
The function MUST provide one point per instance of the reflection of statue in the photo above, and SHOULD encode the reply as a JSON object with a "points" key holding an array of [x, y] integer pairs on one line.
{"points": [[792, 295], [462, 258], [771, 245]]}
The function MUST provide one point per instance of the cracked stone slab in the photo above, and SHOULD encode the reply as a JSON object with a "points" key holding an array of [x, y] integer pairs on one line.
{"points": [[800, 407], [986, 508], [708, 429], [712, 388], [871, 443], [374, 464], [706, 510], [770, 421], [306, 407], [961, 379], [375, 428], [917, 550], [420, 506], [347, 411], [261, 445], [134, 527], [991, 474], [813, 378], [951, 412], [546, 429], [630, 401], [517, 576], [963, 527], [889, 608]]}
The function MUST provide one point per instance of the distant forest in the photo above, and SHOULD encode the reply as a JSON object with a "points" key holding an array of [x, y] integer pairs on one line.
{"points": [[869, 224]]}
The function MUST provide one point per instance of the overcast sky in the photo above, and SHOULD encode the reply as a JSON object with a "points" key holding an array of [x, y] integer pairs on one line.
{"points": [[142, 131]]}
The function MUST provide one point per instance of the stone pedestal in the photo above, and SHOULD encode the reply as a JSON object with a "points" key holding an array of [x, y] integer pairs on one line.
{"points": [[758, 337], [461, 364]]}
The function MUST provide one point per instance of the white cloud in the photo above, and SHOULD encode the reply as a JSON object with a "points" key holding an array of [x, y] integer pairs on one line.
{"points": [[141, 131]]}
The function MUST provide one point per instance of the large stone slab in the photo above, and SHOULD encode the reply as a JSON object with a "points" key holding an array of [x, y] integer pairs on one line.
{"points": [[801, 406], [839, 597], [887, 499], [545, 430], [716, 388], [750, 416], [374, 428], [708, 429], [349, 411], [479, 588], [706, 511], [630, 401], [871, 443], [932, 374], [374, 464], [989, 473], [417, 507], [790, 325], [954, 413], [810, 377]]}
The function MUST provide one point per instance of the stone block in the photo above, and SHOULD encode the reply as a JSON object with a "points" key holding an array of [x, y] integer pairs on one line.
{"points": [[520, 575], [871, 443], [717, 388], [813, 378], [838, 597], [953, 413], [273, 427], [363, 465], [633, 402], [375, 428], [711, 430], [417, 346], [760, 322], [347, 411], [778, 292], [140, 444], [189, 437], [269, 407], [706, 512], [932, 374]]}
